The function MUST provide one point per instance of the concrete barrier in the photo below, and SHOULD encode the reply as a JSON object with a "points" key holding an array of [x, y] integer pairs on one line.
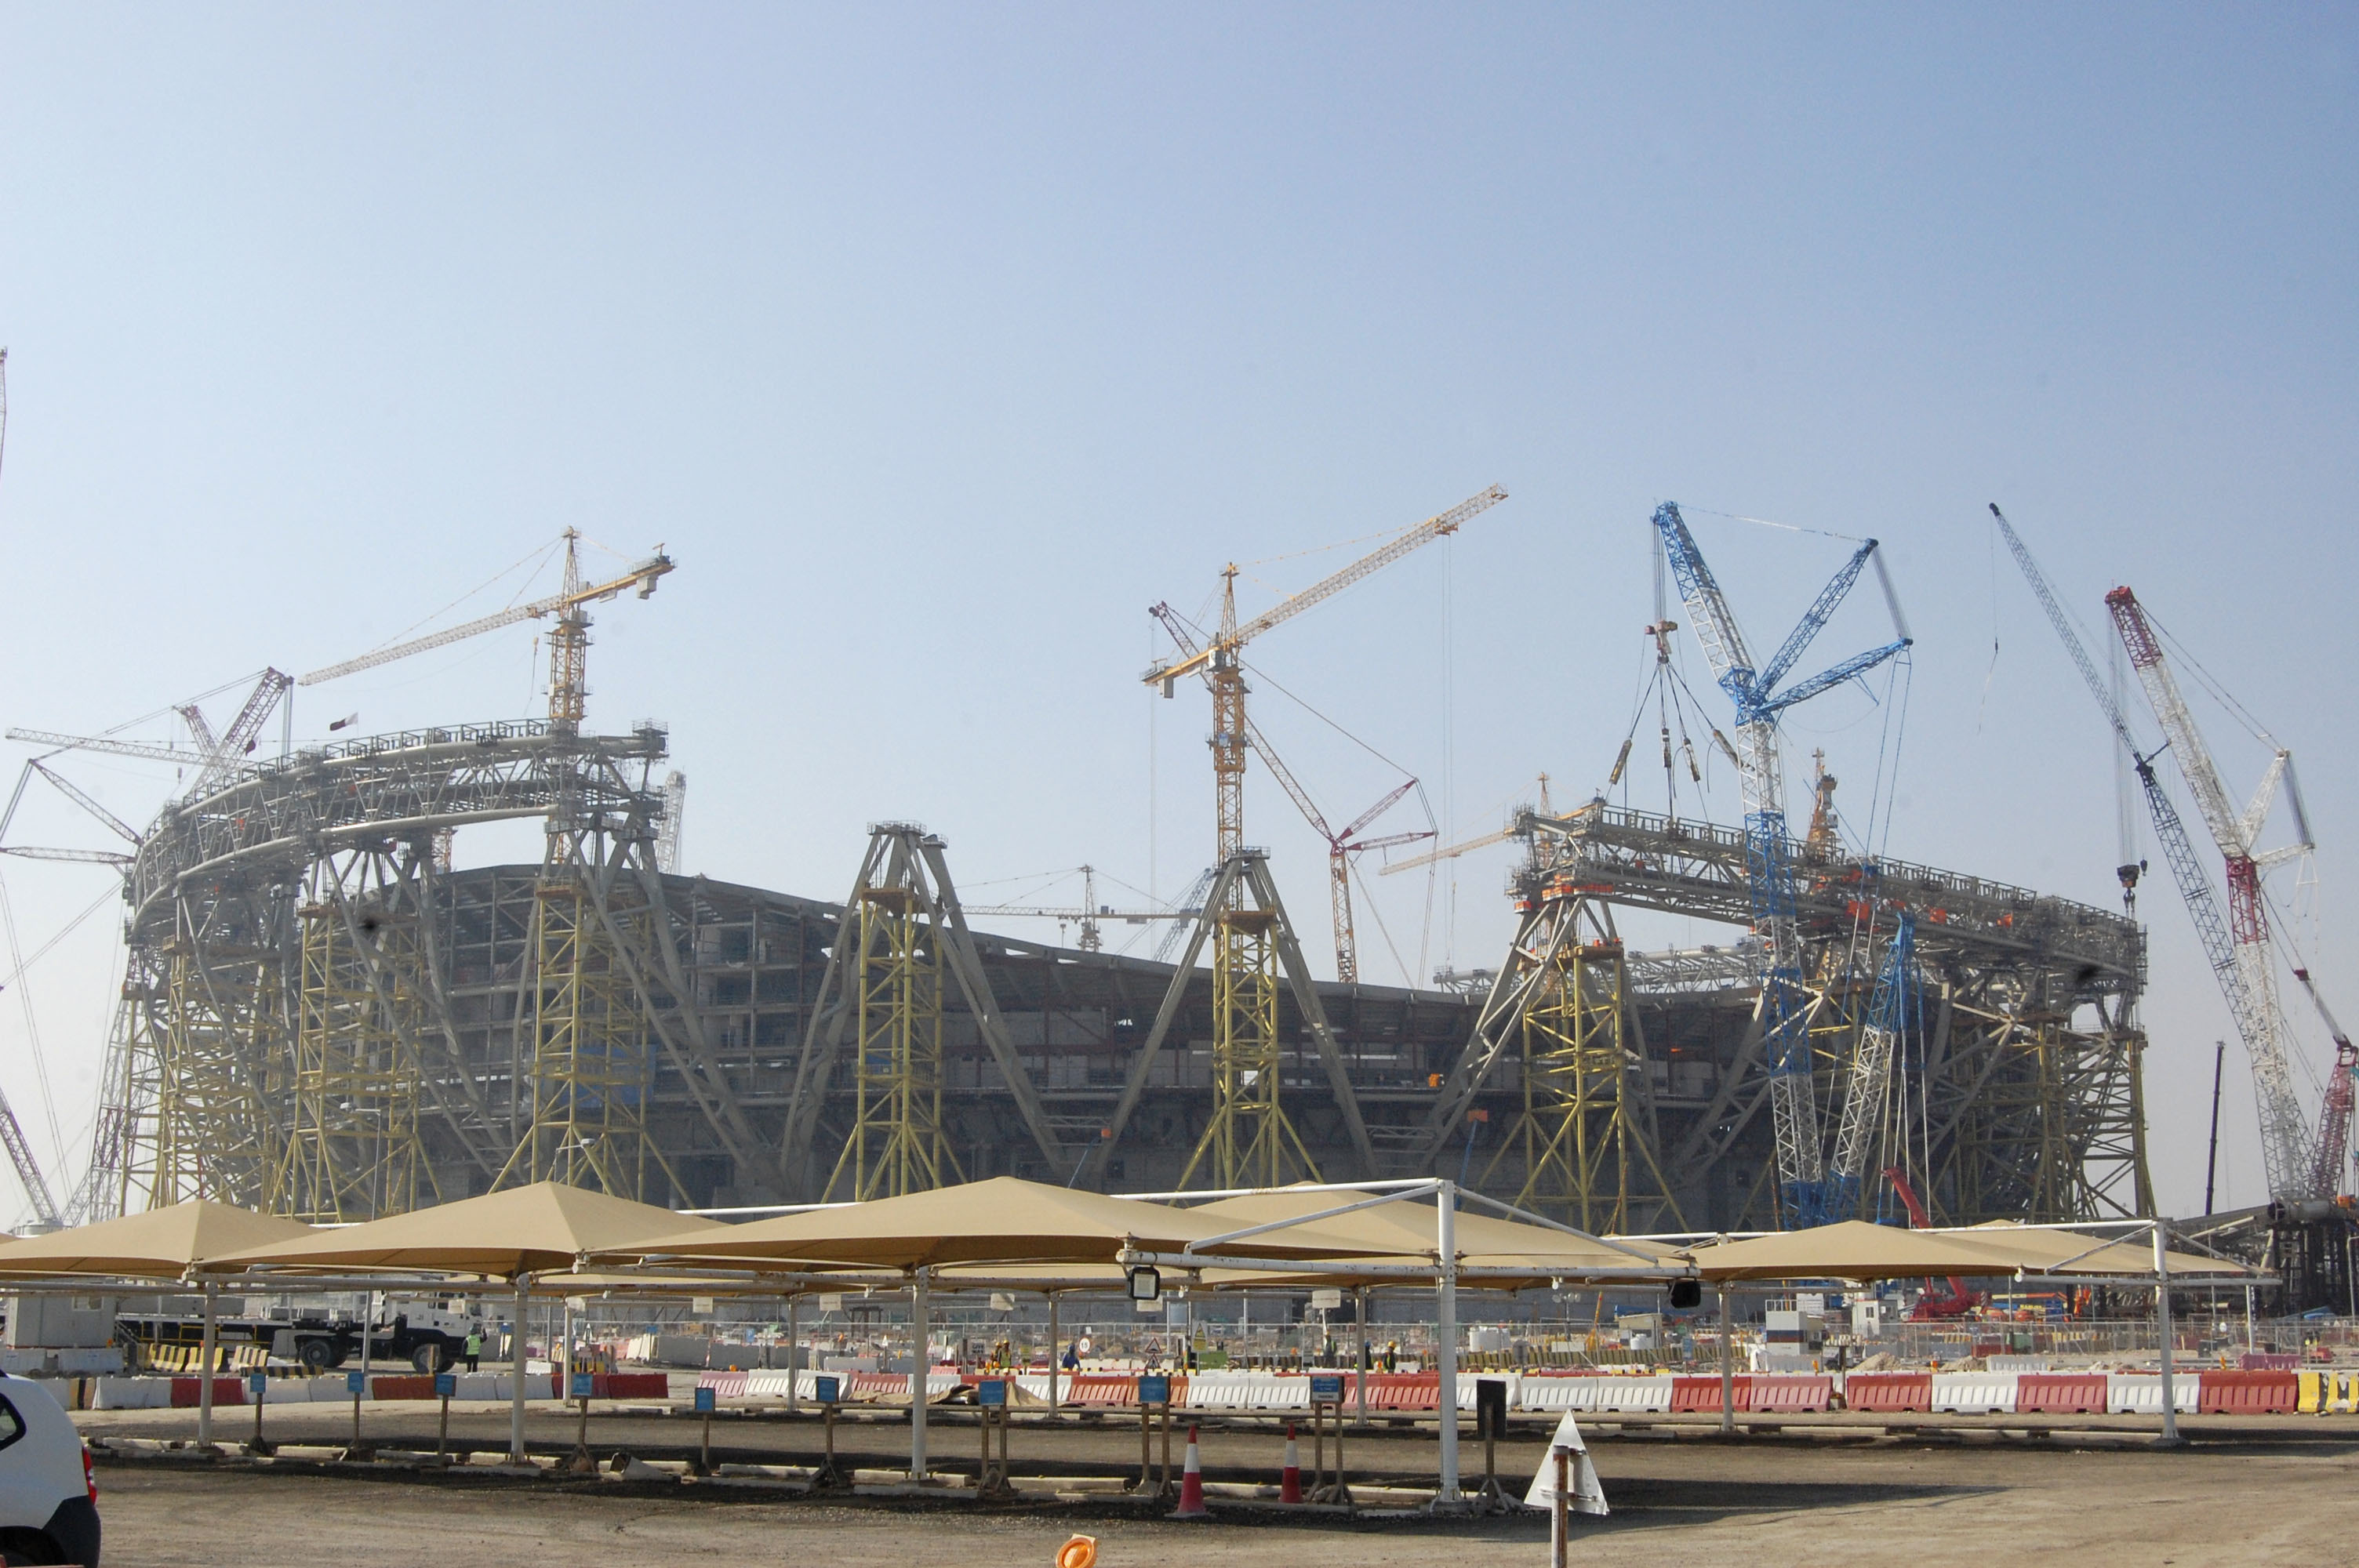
{"points": [[1635, 1395], [725, 1385]]}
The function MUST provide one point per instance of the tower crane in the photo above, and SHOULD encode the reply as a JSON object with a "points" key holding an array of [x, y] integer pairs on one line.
{"points": [[2281, 1129], [1480, 841], [2287, 1150], [1785, 1032], [568, 637], [1221, 660], [1086, 915], [1342, 848], [1248, 1140]]}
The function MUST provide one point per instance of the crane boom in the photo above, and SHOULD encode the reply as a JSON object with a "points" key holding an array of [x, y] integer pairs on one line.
{"points": [[106, 746], [1803, 1191], [642, 576], [2272, 1086], [1327, 587], [2286, 1150]]}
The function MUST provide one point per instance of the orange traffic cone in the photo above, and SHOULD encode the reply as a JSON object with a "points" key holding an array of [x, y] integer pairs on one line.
{"points": [[1192, 1484], [1290, 1479]]}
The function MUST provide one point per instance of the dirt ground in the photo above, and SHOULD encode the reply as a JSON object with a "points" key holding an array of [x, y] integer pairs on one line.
{"points": [[2245, 1492]]}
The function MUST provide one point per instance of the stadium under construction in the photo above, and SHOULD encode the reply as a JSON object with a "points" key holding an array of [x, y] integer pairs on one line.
{"points": [[320, 1019], [323, 1017]]}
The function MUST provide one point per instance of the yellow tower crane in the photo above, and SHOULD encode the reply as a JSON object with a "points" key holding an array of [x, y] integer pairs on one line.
{"points": [[569, 639], [1248, 1141]]}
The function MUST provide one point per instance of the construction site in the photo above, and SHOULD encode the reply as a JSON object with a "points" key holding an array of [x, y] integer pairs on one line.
{"points": [[321, 1018]]}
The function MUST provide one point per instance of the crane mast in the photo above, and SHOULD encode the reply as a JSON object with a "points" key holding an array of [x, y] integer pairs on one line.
{"points": [[2286, 1147], [1803, 1196]]}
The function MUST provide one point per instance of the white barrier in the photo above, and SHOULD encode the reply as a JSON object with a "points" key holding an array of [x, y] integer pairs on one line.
{"points": [[1246, 1391], [2140, 1393], [769, 1385], [1466, 1381], [132, 1394], [1974, 1393]]}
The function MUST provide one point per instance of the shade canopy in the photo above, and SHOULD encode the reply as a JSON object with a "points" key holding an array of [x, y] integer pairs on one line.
{"points": [[544, 1227], [2048, 1251], [1409, 1230], [162, 1243], [1854, 1249], [1001, 1220]]}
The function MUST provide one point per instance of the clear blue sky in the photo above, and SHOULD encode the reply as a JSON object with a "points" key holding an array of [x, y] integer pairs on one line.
{"points": [[938, 343]]}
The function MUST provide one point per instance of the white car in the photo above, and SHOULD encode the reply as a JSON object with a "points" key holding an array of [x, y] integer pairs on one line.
{"points": [[49, 1493]]}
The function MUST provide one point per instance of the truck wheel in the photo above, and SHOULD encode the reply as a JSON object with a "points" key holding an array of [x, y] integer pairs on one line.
{"points": [[315, 1355], [431, 1358], [28, 1546]]}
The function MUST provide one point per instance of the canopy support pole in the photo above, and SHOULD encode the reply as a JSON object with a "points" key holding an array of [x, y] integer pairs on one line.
{"points": [[1727, 1365], [1360, 1381], [205, 1387], [794, 1353], [516, 1348], [919, 1375], [1055, 1366], [2162, 1326], [1445, 1335]]}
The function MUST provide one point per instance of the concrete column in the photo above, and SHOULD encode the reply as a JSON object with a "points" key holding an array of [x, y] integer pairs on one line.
{"points": [[1445, 1335]]}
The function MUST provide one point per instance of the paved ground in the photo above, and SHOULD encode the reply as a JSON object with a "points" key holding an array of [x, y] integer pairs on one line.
{"points": [[2261, 1491]]}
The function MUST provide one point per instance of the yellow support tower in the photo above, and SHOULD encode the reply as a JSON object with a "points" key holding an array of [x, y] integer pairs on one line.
{"points": [[582, 1119], [897, 1144], [213, 1042], [1582, 1133], [1249, 1139], [352, 1150]]}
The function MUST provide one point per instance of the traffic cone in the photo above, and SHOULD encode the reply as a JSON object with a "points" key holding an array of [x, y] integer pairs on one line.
{"points": [[1192, 1484], [1290, 1479]]}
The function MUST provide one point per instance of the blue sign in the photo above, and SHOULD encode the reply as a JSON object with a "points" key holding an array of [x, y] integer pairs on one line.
{"points": [[1326, 1387], [583, 1383], [356, 1383], [826, 1391], [258, 1384], [1155, 1390], [446, 1384], [992, 1391], [704, 1401]]}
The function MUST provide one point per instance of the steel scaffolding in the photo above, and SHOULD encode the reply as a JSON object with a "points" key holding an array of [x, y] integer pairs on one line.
{"points": [[897, 1144]]}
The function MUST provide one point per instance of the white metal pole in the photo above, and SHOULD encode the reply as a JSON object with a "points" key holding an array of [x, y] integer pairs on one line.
{"points": [[205, 1387], [1445, 1334], [1360, 1378], [918, 1377], [2162, 1326], [516, 1354], [794, 1353], [1727, 1365], [1055, 1366]]}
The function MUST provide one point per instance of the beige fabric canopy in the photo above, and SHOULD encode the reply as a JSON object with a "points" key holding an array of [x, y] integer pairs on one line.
{"points": [[1001, 1220], [1854, 1249], [2046, 1251], [545, 1227], [1408, 1229], [162, 1243]]}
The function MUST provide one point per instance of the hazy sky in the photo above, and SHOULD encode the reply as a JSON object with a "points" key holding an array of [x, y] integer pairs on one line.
{"points": [[937, 344]]}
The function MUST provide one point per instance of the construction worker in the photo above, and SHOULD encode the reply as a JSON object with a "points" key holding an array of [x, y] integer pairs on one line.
{"points": [[475, 1348]]}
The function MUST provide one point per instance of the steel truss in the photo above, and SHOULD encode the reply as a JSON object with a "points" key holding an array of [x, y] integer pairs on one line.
{"points": [[1585, 1136], [2022, 1096]]}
